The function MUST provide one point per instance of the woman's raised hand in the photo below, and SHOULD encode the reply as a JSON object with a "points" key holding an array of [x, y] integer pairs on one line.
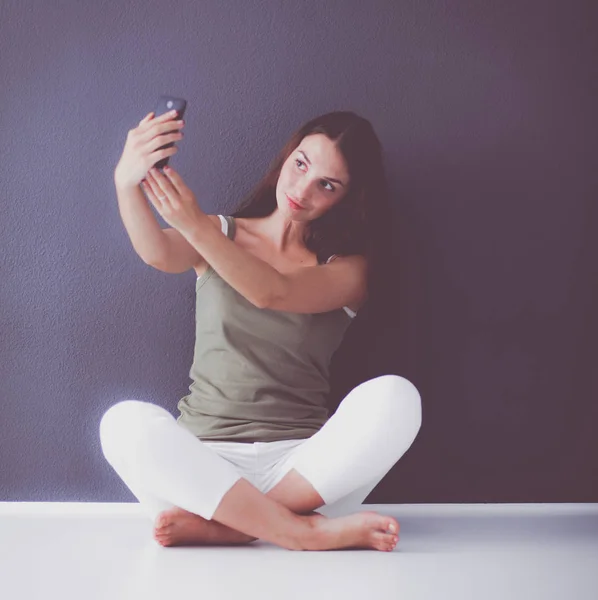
{"points": [[140, 152]]}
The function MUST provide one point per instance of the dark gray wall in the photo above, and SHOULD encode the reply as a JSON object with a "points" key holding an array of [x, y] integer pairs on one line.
{"points": [[487, 112]]}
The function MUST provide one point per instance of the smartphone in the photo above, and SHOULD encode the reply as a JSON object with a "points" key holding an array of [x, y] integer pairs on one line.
{"points": [[166, 104]]}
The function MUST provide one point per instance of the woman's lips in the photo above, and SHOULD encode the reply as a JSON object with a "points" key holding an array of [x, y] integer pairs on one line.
{"points": [[294, 204]]}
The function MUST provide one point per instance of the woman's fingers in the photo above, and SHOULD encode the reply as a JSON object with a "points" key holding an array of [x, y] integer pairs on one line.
{"points": [[149, 120], [157, 127], [175, 179], [152, 195], [163, 186], [146, 118], [160, 141], [160, 119]]}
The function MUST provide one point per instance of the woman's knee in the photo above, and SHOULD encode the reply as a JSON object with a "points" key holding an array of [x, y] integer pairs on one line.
{"points": [[395, 399], [126, 420], [398, 413]]}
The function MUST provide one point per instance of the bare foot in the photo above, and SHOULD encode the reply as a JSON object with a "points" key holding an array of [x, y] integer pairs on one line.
{"points": [[178, 527], [360, 530]]}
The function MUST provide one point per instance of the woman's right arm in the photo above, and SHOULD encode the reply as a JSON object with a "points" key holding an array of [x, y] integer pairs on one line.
{"points": [[148, 239]]}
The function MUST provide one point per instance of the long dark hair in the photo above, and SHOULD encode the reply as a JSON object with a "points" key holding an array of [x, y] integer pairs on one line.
{"points": [[360, 222]]}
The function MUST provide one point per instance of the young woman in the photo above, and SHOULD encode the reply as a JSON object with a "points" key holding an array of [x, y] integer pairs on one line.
{"points": [[254, 453]]}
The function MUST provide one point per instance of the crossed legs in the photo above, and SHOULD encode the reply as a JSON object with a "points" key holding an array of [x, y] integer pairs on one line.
{"points": [[177, 526], [372, 428]]}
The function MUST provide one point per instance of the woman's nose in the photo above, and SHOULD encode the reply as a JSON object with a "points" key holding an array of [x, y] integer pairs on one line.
{"points": [[301, 191]]}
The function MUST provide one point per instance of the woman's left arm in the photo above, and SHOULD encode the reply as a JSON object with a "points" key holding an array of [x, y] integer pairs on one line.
{"points": [[253, 278], [304, 290]]}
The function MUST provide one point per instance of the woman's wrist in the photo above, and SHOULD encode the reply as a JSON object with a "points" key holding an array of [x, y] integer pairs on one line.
{"points": [[121, 183]]}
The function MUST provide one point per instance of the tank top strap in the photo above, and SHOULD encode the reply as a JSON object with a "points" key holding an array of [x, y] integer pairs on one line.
{"points": [[325, 262], [232, 227]]}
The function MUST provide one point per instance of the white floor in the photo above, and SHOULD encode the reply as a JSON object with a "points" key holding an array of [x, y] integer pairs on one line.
{"points": [[64, 551]]}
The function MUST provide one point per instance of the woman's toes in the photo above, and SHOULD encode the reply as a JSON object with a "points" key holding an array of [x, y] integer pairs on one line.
{"points": [[391, 541], [382, 541], [162, 530], [161, 521], [393, 526], [167, 517], [163, 540], [164, 521]]}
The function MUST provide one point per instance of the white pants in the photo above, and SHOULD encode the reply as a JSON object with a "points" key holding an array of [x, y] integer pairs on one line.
{"points": [[165, 465]]}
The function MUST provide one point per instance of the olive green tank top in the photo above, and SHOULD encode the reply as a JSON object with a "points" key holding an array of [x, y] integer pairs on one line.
{"points": [[258, 375]]}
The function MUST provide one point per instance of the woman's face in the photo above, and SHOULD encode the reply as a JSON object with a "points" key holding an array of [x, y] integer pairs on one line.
{"points": [[315, 176]]}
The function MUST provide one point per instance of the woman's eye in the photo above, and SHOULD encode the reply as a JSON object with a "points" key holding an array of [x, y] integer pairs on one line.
{"points": [[331, 189]]}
